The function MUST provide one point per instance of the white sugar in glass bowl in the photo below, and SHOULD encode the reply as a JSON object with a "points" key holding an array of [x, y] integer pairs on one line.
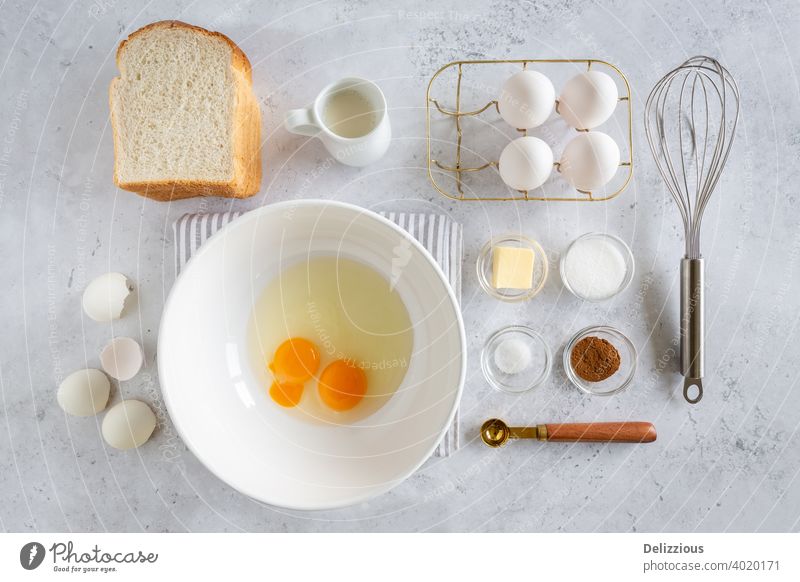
{"points": [[597, 266], [225, 415]]}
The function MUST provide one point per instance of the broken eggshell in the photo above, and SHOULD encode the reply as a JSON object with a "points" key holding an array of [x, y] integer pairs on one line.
{"points": [[128, 424], [122, 358], [104, 297], [84, 393]]}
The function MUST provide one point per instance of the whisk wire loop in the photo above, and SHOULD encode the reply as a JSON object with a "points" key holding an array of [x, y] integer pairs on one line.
{"points": [[692, 150]]}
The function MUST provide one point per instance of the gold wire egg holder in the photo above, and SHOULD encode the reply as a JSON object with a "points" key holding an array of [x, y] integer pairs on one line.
{"points": [[458, 169]]}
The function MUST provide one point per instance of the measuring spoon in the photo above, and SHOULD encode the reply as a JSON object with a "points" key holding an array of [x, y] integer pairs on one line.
{"points": [[496, 433]]}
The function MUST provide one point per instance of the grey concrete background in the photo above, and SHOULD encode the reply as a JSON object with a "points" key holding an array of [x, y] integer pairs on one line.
{"points": [[728, 464]]}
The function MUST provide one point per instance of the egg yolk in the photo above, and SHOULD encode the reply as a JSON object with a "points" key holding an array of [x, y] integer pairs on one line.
{"points": [[296, 360], [342, 385], [286, 394]]}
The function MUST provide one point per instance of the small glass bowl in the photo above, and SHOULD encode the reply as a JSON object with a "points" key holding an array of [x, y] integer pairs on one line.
{"points": [[537, 371], [624, 250], [484, 268], [618, 381]]}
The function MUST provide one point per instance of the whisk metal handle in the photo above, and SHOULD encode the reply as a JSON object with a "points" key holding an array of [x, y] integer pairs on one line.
{"points": [[692, 327]]}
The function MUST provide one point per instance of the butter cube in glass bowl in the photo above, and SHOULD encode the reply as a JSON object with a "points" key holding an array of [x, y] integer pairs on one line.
{"points": [[512, 267]]}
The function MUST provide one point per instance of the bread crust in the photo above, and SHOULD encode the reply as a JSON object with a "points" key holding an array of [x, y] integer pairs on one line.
{"points": [[246, 131]]}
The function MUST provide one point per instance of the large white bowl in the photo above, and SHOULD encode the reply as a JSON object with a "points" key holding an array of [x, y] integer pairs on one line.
{"points": [[225, 416]]}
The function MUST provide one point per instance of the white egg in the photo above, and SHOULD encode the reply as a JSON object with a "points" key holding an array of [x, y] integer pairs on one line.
{"points": [[590, 160], [84, 393], [122, 358], [526, 99], [129, 424], [588, 100], [104, 298], [526, 163]]}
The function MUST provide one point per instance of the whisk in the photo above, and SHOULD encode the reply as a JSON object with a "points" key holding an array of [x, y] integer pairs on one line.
{"points": [[690, 121]]}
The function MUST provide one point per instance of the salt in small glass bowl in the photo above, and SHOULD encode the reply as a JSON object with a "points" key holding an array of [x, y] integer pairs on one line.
{"points": [[620, 379], [484, 268], [620, 245], [537, 371]]}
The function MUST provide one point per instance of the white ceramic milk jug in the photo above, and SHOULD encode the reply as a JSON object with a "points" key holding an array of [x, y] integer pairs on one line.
{"points": [[350, 117]]}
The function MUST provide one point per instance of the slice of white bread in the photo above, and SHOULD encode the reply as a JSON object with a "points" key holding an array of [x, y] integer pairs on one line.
{"points": [[185, 120]]}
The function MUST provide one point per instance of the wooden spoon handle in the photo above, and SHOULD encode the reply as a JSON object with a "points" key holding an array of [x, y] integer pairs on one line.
{"points": [[602, 432]]}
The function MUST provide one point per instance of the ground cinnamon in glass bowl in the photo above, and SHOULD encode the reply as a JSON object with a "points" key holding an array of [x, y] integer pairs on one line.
{"points": [[594, 359], [600, 360]]}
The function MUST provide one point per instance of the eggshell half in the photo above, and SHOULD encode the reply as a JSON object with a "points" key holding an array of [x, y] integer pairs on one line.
{"points": [[526, 163], [588, 100], [104, 298], [129, 424], [84, 393], [526, 99], [122, 358], [590, 160]]}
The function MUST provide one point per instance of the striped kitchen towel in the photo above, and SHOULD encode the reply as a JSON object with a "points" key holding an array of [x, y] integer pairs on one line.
{"points": [[439, 234]]}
